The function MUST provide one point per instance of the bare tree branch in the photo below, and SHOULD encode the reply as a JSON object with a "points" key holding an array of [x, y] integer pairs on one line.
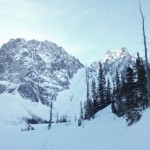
{"points": [[145, 48]]}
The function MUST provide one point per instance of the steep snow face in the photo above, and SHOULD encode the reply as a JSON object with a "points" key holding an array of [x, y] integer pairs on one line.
{"points": [[117, 59], [68, 101], [33, 67]]}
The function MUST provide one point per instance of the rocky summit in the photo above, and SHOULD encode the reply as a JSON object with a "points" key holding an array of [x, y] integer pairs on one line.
{"points": [[119, 59], [36, 70]]}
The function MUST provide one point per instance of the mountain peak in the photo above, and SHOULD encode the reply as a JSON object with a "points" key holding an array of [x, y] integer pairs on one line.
{"points": [[33, 67], [17, 40], [108, 52], [121, 52], [117, 54], [119, 58]]}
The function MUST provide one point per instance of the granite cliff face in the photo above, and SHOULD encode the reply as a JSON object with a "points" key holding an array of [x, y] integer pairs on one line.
{"points": [[36, 70]]}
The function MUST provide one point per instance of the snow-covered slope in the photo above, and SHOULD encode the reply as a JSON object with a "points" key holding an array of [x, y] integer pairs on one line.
{"points": [[14, 110], [106, 132], [68, 101]]}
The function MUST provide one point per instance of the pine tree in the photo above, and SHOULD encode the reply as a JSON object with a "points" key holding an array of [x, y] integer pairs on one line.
{"points": [[94, 96], [118, 98], [51, 114], [141, 85], [88, 109], [57, 118], [108, 95], [88, 100], [132, 113], [130, 85], [81, 111], [123, 86], [81, 115], [101, 87], [113, 104], [79, 122], [85, 110]]}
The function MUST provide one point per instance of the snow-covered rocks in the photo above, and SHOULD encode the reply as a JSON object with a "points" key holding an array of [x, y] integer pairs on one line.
{"points": [[41, 71], [33, 67], [119, 59]]}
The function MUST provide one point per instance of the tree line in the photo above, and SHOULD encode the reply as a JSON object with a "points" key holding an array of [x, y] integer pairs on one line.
{"points": [[127, 95]]}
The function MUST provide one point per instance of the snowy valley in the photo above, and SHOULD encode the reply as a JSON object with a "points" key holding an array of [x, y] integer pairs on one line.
{"points": [[33, 73]]}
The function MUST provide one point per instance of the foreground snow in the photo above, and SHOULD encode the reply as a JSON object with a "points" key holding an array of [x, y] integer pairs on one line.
{"points": [[105, 132], [14, 109]]}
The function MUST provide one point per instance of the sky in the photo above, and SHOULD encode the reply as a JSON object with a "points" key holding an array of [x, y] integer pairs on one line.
{"points": [[86, 29]]}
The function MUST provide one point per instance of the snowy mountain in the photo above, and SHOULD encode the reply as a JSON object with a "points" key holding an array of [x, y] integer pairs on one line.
{"points": [[120, 59], [39, 71], [32, 70], [33, 67], [106, 132], [68, 101]]}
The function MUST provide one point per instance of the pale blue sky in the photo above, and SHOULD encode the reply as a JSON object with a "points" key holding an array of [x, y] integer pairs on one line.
{"points": [[84, 28]]}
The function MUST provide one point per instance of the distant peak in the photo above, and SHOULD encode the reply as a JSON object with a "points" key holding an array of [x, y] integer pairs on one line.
{"points": [[121, 50], [16, 40], [119, 53], [32, 41], [108, 52]]}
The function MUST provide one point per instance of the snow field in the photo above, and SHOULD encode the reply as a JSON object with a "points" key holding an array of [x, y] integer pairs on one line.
{"points": [[105, 132]]}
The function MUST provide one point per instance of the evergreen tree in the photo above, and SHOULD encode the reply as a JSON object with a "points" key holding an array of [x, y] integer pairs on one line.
{"points": [[81, 115], [94, 96], [57, 118], [88, 100], [132, 113], [141, 85], [119, 102], [101, 87], [79, 122], [51, 114], [130, 85], [113, 104], [88, 109], [123, 86], [85, 110], [81, 111], [108, 95]]}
